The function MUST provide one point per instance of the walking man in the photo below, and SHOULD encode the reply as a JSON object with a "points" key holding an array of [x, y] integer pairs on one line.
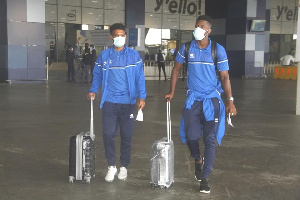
{"points": [[70, 61], [204, 111], [86, 66], [119, 70], [161, 64], [52, 52]]}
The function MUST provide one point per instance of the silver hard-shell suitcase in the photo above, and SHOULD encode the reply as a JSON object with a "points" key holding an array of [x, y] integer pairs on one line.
{"points": [[82, 154], [162, 159]]}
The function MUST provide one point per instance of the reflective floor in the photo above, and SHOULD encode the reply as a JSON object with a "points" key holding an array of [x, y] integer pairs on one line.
{"points": [[258, 158]]}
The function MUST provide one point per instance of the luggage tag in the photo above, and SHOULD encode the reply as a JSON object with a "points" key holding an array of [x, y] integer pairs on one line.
{"points": [[229, 121], [139, 116]]}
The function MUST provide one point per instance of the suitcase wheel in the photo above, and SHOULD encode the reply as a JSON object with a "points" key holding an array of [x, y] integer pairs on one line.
{"points": [[71, 179]]}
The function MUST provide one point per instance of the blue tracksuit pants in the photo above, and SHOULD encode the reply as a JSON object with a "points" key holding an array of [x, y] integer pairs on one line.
{"points": [[114, 115], [195, 127]]}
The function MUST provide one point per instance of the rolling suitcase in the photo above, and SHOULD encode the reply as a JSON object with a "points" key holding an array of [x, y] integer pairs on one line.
{"points": [[82, 154], [162, 159]]}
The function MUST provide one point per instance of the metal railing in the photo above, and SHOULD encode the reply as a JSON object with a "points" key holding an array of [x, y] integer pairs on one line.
{"points": [[151, 68], [269, 68]]}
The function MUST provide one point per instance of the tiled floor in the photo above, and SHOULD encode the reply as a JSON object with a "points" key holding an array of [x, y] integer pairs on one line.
{"points": [[258, 158]]}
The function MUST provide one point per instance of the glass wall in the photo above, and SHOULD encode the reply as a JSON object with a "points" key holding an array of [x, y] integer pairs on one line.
{"points": [[283, 28], [65, 17], [170, 24]]}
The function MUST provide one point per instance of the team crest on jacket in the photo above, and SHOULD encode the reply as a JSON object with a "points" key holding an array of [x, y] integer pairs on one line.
{"points": [[192, 55]]}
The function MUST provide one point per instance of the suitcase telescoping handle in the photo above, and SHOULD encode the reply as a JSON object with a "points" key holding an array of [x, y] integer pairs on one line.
{"points": [[169, 123], [92, 135]]}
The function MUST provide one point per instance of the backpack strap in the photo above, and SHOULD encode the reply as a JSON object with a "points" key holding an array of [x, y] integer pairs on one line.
{"points": [[186, 51], [214, 56], [214, 51]]}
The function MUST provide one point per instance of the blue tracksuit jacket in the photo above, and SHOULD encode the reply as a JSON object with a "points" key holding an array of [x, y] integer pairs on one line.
{"points": [[133, 65]]}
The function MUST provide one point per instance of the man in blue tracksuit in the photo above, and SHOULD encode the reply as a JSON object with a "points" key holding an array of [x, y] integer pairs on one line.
{"points": [[119, 70], [204, 111]]}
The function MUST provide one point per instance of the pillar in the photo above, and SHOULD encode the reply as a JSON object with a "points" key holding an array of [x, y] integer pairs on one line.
{"points": [[247, 51], [22, 43], [135, 23]]}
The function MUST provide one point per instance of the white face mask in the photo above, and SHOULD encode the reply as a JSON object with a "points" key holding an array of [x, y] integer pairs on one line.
{"points": [[199, 33], [119, 41]]}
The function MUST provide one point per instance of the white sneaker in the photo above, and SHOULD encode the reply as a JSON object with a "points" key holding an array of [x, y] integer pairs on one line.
{"points": [[110, 176], [122, 174]]}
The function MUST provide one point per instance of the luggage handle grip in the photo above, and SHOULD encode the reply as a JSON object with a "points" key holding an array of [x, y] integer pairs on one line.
{"points": [[92, 135], [169, 123]]}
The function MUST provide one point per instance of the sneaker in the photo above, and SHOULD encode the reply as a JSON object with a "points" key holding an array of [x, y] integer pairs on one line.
{"points": [[198, 170], [110, 176], [204, 187], [122, 174]]}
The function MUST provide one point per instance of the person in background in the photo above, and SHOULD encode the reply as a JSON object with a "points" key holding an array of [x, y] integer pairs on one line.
{"points": [[80, 64], [86, 66], [169, 56], [147, 58], [287, 60], [119, 70], [130, 46], [77, 52], [70, 61], [152, 56], [161, 64], [93, 59], [52, 52], [204, 111]]}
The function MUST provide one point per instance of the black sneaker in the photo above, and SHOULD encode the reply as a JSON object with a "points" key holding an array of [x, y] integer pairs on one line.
{"points": [[204, 187], [198, 170]]}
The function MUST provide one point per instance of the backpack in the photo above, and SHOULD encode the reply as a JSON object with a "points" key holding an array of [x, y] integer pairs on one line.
{"points": [[213, 54], [160, 57]]}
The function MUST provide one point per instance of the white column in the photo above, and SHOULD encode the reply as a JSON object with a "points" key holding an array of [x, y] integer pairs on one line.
{"points": [[298, 82], [298, 60]]}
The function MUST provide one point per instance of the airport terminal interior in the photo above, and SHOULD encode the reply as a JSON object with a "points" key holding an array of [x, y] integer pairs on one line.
{"points": [[40, 110], [258, 157]]}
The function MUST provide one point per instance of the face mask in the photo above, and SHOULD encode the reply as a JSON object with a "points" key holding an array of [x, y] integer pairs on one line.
{"points": [[119, 41], [199, 33]]}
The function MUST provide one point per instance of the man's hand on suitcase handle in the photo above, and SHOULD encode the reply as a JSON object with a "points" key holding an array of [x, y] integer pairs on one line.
{"points": [[91, 95], [168, 97]]}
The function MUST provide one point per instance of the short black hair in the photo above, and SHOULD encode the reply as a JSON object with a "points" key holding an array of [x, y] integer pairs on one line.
{"points": [[116, 26], [205, 18]]}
